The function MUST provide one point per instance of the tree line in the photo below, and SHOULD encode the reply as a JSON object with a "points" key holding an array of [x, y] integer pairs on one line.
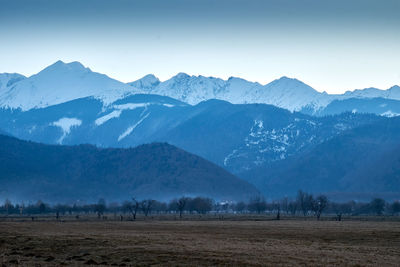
{"points": [[304, 204]]}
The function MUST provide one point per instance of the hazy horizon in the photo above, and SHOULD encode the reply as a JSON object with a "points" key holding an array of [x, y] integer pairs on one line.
{"points": [[332, 46]]}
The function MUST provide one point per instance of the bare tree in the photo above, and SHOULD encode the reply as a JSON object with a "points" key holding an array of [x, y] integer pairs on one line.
{"points": [[257, 204], [42, 207], [377, 206], [133, 207], [180, 205], [285, 204], [320, 204], [292, 207], [201, 205], [21, 209], [8, 206], [240, 206], [395, 207], [302, 200], [277, 207], [146, 206], [100, 207]]}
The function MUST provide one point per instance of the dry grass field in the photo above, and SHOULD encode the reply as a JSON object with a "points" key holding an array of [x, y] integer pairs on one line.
{"points": [[200, 243]]}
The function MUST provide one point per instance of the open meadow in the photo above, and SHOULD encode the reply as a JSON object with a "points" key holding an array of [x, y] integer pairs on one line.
{"points": [[203, 242]]}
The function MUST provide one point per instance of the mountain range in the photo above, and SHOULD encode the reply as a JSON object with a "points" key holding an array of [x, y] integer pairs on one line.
{"points": [[237, 137], [33, 171], [261, 133], [287, 93], [57, 84], [62, 82]]}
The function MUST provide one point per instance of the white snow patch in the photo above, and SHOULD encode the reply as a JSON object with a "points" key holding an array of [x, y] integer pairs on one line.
{"points": [[259, 123], [109, 116], [311, 123], [390, 114], [66, 124], [227, 158], [131, 106], [131, 128], [118, 110], [168, 105]]}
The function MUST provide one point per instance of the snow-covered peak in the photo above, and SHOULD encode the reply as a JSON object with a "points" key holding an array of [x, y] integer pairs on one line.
{"points": [[61, 66], [194, 89], [146, 83], [62, 82], [394, 92], [290, 94], [181, 76], [189, 89], [8, 79], [285, 92], [237, 80], [367, 92], [391, 93], [291, 84]]}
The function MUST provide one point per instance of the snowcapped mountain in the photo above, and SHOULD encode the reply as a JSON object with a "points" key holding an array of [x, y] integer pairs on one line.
{"points": [[59, 83], [63, 82], [147, 82], [291, 94], [391, 93], [287, 93], [8, 79], [189, 89]]}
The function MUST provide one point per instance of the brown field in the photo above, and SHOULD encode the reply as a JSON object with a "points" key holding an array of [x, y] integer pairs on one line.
{"points": [[200, 242]]}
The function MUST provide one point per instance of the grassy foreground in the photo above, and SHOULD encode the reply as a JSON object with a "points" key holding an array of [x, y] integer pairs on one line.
{"points": [[190, 242]]}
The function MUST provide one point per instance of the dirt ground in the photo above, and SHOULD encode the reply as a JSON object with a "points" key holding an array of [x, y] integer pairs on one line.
{"points": [[200, 243]]}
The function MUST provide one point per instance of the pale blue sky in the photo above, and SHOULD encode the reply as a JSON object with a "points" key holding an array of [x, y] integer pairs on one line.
{"points": [[331, 45]]}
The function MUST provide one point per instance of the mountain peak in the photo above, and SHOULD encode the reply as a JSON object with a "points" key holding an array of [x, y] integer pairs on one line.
{"points": [[181, 75], [288, 79], [291, 83], [151, 77], [62, 66], [149, 81], [232, 78], [62, 82], [8, 79]]}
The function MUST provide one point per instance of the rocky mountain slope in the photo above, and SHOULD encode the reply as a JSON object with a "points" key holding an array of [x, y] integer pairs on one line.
{"points": [[364, 162]]}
